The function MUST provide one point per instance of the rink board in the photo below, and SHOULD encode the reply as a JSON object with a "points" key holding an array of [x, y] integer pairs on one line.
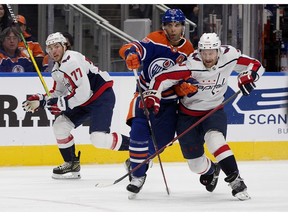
{"points": [[257, 128], [49, 155]]}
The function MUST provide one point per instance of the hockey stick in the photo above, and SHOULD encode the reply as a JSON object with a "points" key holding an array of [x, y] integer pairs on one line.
{"points": [[147, 114], [28, 50], [105, 184]]}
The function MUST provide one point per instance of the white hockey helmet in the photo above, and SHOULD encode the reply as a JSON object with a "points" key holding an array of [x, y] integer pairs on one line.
{"points": [[56, 37], [209, 41]]}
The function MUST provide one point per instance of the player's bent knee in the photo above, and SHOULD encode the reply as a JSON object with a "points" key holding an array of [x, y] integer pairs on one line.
{"points": [[101, 139], [217, 145], [62, 127], [199, 165], [214, 140]]}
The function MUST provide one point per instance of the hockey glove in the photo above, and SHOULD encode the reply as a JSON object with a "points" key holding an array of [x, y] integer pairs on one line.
{"points": [[186, 87], [57, 105], [246, 81], [34, 102], [132, 58], [152, 100]]}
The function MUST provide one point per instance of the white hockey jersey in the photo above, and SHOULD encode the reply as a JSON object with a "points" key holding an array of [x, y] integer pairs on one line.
{"points": [[78, 79], [212, 83]]}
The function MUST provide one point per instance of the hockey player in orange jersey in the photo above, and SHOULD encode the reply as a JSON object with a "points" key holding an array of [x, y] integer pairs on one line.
{"points": [[158, 51]]}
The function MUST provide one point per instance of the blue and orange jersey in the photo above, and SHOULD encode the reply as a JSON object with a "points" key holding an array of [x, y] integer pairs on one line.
{"points": [[157, 54], [34, 46], [18, 63]]}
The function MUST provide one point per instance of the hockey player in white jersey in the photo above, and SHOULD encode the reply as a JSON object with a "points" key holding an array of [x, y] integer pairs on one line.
{"points": [[80, 92], [210, 67]]}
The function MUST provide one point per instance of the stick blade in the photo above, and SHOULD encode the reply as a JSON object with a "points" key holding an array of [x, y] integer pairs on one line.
{"points": [[104, 184]]}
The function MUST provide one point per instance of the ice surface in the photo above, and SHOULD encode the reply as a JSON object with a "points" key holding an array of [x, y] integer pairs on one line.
{"points": [[31, 189]]}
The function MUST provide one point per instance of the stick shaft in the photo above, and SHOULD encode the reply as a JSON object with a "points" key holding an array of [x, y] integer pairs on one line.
{"points": [[179, 136], [29, 51], [146, 111]]}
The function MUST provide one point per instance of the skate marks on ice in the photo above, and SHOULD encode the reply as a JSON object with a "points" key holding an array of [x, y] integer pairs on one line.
{"points": [[33, 189]]}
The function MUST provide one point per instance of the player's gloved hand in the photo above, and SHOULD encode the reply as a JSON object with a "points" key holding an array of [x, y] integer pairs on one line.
{"points": [[186, 87], [246, 81], [34, 102], [57, 105], [152, 100], [132, 58]]}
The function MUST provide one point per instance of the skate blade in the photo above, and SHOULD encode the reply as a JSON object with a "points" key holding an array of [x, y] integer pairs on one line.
{"points": [[70, 175], [132, 196], [243, 196]]}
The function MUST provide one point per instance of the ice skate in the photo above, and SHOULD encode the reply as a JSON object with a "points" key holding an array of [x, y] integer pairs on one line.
{"points": [[135, 186], [239, 189], [210, 181], [127, 166], [68, 170]]}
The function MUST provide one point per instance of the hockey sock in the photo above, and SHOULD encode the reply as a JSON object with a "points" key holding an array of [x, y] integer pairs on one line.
{"points": [[229, 165], [139, 145], [125, 143], [68, 153]]}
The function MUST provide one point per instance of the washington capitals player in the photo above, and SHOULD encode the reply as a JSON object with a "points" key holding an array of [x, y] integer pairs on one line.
{"points": [[158, 51], [81, 92], [210, 67]]}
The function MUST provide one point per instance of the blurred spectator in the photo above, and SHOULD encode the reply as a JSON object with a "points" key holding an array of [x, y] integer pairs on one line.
{"points": [[70, 40], [34, 46], [5, 19], [13, 59], [48, 63], [141, 10], [193, 16]]}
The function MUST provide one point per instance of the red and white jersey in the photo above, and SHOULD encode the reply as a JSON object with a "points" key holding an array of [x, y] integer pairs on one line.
{"points": [[212, 82], [78, 79]]}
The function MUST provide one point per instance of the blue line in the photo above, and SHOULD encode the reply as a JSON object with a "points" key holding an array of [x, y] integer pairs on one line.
{"points": [[128, 73], [267, 73]]}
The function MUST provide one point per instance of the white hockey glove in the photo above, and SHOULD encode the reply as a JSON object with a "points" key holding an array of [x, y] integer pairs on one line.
{"points": [[246, 81], [34, 102], [57, 105], [152, 100]]}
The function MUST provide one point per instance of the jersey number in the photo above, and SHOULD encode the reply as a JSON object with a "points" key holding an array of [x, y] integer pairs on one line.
{"points": [[76, 73]]}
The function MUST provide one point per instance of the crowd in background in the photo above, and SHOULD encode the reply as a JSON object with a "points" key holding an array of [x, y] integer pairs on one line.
{"points": [[15, 40], [14, 56]]}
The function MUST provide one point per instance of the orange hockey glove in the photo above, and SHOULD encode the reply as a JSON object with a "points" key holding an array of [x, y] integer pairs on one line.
{"points": [[186, 87], [132, 58]]}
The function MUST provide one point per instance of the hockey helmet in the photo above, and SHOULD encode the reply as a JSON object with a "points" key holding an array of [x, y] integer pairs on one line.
{"points": [[56, 38], [173, 15], [209, 41]]}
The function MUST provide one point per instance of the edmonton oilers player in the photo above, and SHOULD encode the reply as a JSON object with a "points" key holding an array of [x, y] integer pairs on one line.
{"points": [[211, 66], [158, 51]]}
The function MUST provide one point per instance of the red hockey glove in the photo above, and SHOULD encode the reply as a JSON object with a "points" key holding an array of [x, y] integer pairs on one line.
{"points": [[57, 105], [246, 81], [152, 100], [132, 58], [34, 102], [186, 87]]}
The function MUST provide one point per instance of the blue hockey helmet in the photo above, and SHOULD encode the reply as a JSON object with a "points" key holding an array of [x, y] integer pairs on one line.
{"points": [[173, 15]]}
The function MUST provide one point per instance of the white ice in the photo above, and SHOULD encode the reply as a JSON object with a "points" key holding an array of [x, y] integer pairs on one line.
{"points": [[31, 189]]}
